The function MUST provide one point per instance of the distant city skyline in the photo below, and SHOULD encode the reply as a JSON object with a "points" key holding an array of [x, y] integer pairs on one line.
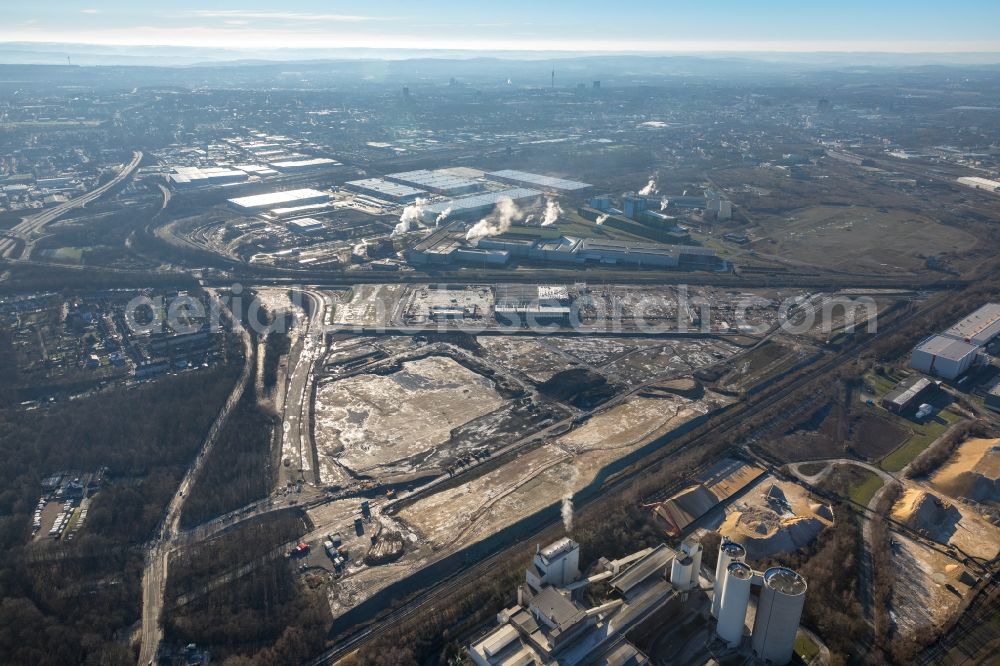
{"points": [[918, 26]]}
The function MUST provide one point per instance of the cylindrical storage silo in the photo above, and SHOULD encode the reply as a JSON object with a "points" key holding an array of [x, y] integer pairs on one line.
{"points": [[735, 599], [680, 572], [729, 552], [694, 552], [782, 596]]}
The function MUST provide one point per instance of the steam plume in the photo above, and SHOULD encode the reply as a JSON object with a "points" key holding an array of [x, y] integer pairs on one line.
{"points": [[567, 514], [497, 223], [443, 216], [664, 202], [649, 189], [601, 219], [567, 500], [410, 217], [552, 212]]}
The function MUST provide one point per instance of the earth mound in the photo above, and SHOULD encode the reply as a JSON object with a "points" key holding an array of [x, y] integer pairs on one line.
{"points": [[925, 511], [764, 533]]}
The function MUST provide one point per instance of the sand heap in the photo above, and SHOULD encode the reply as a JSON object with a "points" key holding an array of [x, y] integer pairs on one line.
{"points": [[973, 472], [764, 533], [925, 511]]}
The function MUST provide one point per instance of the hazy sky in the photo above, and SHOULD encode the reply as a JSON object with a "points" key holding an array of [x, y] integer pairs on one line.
{"points": [[584, 25]]}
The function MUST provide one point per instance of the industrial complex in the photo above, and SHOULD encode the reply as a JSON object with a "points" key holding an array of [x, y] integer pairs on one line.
{"points": [[553, 623], [609, 361], [953, 352]]}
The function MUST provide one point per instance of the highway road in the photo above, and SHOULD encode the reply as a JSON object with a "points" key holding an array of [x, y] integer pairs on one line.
{"points": [[31, 226], [154, 578]]}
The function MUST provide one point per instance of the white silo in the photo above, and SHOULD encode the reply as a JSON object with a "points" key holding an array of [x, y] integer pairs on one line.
{"points": [[680, 571], [693, 550], [735, 595], [729, 552], [782, 596]]}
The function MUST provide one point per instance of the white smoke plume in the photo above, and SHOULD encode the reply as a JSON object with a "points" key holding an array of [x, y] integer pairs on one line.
{"points": [[528, 220], [650, 188], [664, 202], [443, 216], [552, 212], [567, 514], [497, 223], [601, 219], [410, 217], [567, 500]]}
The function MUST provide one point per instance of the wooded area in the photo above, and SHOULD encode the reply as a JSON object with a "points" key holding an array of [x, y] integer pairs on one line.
{"points": [[72, 603]]}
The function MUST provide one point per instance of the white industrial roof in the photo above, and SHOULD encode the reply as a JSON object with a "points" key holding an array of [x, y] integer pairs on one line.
{"points": [[300, 164], [980, 183], [385, 187], [979, 327], [545, 182], [485, 199], [306, 222], [946, 348], [273, 199], [433, 180]]}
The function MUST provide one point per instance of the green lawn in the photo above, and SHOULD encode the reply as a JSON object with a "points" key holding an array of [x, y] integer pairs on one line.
{"points": [[805, 648], [853, 482], [863, 491], [923, 435], [881, 384]]}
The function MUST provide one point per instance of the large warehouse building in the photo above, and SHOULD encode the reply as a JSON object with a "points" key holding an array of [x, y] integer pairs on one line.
{"points": [[980, 328], [479, 204], [538, 181], [439, 182], [288, 198], [385, 190], [200, 177], [944, 357], [296, 166]]}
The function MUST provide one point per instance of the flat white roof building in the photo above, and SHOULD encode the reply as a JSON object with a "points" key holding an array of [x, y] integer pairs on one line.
{"points": [[305, 225], [979, 328], [201, 177], [441, 182], [547, 183], [944, 357], [980, 183], [478, 204], [303, 165], [384, 189], [288, 198]]}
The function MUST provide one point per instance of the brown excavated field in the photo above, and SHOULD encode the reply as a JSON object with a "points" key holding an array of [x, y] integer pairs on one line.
{"points": [[374, 424], [542, 477], [860, 238], [972, 472]]}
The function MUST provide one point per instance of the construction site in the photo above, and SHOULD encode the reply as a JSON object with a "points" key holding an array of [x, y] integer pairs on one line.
{"points": [[459, 439]]}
